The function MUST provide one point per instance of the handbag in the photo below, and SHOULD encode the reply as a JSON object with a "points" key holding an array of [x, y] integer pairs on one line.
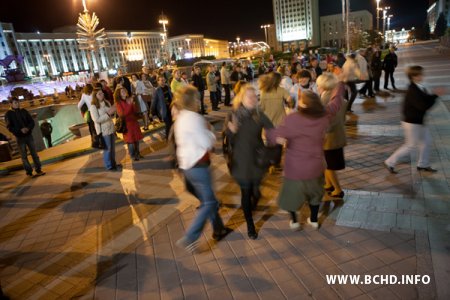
{"points": [[99, 142], [120, 125], [265, 156]]}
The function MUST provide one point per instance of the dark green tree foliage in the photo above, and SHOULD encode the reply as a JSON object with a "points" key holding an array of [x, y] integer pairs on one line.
{"points": [[441, 26], [426, 31]]}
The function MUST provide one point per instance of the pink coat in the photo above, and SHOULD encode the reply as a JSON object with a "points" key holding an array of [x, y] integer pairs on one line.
{"points": [[305, 137]]}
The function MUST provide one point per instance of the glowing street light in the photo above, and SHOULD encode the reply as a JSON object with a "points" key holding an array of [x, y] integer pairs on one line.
{"points": [[385, 10], [265, 30]]}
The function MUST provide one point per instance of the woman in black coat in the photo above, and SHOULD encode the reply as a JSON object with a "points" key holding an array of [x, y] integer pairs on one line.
{"points": [[376, 66], [244, 126]]}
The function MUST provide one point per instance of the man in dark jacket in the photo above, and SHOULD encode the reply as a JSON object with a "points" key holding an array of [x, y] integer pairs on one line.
{"points": [[417, 102], [389, 65], [20, 123], [199, 83], [160, 107], [46, 129]]}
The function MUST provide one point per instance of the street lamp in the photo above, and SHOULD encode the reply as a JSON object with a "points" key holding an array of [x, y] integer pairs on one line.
{"points": [[378, 15], [389, 21], [164, 21], [265, 30], [385, 10]]}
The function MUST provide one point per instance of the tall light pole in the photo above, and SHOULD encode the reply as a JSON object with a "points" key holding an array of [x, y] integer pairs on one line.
{"points": [[265, 30], [88, 37], [385, 10], [165, 43], [345, 19], [378, 15], [389, 22]]}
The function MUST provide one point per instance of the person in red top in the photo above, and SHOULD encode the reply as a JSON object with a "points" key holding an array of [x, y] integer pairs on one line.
{"points": [[126, 109]]}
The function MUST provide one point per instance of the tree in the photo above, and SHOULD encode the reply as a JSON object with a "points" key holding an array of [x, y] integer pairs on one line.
{"points": [[441, 26], [426, 31]]}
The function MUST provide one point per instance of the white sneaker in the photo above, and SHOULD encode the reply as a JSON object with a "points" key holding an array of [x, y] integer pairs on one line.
{"points": [[184, 244], [314, 225], [294, 226]]}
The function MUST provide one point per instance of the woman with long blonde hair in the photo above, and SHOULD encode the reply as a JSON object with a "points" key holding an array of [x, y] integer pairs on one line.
{"points": [[244, 127]]}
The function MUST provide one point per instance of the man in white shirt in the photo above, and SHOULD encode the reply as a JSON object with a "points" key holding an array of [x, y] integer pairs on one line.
{"points": [[194, 140]]}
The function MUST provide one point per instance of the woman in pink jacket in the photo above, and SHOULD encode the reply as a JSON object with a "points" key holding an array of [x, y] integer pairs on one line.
{"points": [[304, 134]]}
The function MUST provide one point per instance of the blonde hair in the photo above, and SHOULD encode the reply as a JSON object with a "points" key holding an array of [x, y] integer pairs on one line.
{"points": [[187, 98], [269, 82], [237, 101], [327, 81]]}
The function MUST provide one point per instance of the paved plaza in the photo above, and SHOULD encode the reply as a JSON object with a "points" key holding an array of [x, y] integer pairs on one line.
{"points": [[80, 232]]}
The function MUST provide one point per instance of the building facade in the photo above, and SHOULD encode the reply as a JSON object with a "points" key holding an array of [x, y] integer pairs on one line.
{"points": [[435, 9], [333, 27], [57, 53], [196, 45], [297, 23], [272, 38]]}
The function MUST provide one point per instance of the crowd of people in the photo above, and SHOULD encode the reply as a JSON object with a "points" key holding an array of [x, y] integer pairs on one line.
{"points": [[298, 112]]}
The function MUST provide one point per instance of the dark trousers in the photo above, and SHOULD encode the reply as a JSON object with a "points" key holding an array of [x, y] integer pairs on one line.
{"points": [[24, 143], [219, 93], [168, 122], [202, 102], [353, 92], [389, 74], [227, 88], [49, 140], [92, 131], [250, 195], [214, 100], [376, 84], [367, 87]]}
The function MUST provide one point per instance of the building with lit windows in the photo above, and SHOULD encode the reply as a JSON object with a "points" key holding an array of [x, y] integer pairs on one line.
{"points": [[196, 45], [57, 53], [297, 23], [333, 28], [435, 9]]}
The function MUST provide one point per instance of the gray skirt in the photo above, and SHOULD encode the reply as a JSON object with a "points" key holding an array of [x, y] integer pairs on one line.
{"points": [[295, 192]]}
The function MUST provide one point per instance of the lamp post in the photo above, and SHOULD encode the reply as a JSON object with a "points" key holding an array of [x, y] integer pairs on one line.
{"points": [[265, 30], [385, 10], [345, 19], [164, 21], [389, 22], [378, 15]]}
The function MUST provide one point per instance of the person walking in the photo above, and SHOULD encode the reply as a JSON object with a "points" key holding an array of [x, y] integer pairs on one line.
{"points": [[46, 130], [138, 89], [377, 67], [126, 109], [350, 75], [199, 83], [101, 113], [273, 100], [335, 139], [194, 140], [417, 135], [244, 127], [161, 104], [20, 123], [303, 132], [225, 80], [389, 64], [211, 82]]}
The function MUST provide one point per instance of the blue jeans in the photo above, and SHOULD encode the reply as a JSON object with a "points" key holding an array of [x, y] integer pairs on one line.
{"points": [[23, 143], [198, 181], [133, 149], [109, 153]]}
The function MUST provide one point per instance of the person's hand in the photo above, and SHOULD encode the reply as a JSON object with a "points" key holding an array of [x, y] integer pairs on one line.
{"points": [[233, 128], [24, 130], [112, 110], [440, 91], [280, 140]]}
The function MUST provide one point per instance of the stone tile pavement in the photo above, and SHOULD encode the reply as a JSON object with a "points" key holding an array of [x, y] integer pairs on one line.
{"points": [[79, 232]]}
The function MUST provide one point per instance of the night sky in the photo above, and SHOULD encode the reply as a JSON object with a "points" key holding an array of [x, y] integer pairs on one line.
{"points": [[224, 19]]}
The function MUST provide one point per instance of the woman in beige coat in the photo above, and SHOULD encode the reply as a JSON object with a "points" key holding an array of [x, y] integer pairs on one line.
{"points": [[335, 139]]}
